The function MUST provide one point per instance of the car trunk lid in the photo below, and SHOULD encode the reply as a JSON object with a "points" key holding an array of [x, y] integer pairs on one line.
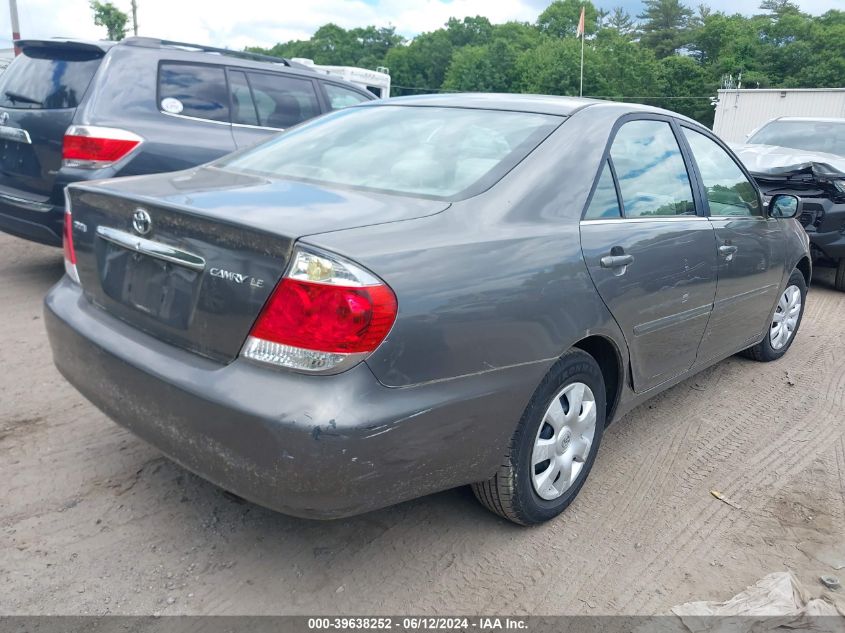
{"points": [[192, 257], [39, 94]]}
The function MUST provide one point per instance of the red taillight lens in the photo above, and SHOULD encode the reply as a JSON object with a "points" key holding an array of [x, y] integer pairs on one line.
{"points": [[326, 314], [67, 241], [67, 244], [327, 318], [96, 147]]}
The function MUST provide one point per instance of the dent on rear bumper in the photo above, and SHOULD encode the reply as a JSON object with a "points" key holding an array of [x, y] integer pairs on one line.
{"points": [[310, 446]]}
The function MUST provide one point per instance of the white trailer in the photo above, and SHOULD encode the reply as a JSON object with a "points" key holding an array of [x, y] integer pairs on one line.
{"points": [[740, 112], [376, 81]]}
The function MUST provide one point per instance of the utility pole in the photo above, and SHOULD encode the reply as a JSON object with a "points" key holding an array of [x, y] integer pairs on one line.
{"points": [[16, 29], [134, 16]]}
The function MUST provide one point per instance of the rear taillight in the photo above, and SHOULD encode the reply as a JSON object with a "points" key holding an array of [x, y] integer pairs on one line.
{"points": [[67, 243], [325, 315], [95, 147]]}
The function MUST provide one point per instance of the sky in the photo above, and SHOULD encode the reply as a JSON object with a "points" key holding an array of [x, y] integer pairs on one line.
{"points": [[239, 23]]}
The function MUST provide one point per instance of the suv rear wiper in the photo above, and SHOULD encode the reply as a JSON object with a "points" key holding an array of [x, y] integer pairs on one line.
{"points": [[14, 96]]}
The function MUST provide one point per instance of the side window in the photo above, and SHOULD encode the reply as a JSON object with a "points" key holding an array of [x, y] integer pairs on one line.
{"points": [[193, 90], [729, 192], [605, 202], [283, 101], [653, 179], [243, 109], [340, 97]]}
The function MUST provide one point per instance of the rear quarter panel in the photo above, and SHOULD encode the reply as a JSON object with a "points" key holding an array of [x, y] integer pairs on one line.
{"points": [[497, 280]]}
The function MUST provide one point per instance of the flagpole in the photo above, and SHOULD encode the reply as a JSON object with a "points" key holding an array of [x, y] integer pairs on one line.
{"points": [[581, 85], [582, 31]]}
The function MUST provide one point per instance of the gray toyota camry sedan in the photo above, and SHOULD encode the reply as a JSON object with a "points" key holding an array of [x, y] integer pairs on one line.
{"points": [[421, 293]]}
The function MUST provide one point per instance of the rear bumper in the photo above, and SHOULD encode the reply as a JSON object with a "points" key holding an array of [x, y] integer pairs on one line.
{"points": [[310, 446], [38, 226]]}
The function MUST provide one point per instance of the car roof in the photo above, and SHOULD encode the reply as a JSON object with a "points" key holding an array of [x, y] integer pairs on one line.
{"points": [[540, 104], [811, 119], [184, 51]]}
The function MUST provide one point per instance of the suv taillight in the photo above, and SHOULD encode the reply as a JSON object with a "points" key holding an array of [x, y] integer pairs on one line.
{"points": [[94, 147], [325, 315], [67, 243]]}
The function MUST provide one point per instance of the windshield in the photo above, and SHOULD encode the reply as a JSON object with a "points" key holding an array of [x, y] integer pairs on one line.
{"points": [[813, 136], [42, 79], [430, 151]]}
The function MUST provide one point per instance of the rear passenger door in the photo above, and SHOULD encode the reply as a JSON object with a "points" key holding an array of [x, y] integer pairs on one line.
{"points": [[749, 250], [650, 251], [265, 103], [196, 96]]}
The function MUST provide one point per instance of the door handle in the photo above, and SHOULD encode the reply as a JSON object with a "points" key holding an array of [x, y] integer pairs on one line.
{"points": [[616, 261]]}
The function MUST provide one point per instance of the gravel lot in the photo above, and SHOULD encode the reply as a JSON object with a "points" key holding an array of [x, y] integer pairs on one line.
{"points": [[94, 521]]}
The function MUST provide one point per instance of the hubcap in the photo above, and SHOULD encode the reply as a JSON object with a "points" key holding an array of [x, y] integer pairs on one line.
{"points": [[785, 319], [563, 440]]}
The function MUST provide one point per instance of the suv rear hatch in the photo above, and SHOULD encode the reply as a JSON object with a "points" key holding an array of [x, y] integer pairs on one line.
{"points": [[39, 94], [192, 257]]}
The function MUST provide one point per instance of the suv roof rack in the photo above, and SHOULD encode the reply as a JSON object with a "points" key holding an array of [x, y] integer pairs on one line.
{"points": [[154, 42]]}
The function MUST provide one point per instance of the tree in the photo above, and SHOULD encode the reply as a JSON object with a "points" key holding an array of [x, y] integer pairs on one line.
{"points": [[676, 61], [665, 26], [561, 17], [469, 31], [620, 21], [779, 7], [421, 64], [688, 84], [109, 16]]}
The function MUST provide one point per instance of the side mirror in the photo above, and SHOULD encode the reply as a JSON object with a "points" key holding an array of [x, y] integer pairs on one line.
{"points": [[785, 206]]}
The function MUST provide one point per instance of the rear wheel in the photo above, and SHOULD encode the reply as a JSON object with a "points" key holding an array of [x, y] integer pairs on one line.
{"points": [[785, 322], [839, 280], [554, 446]]}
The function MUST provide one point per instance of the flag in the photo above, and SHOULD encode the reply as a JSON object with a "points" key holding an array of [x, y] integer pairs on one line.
{"points": [[580, 31]]}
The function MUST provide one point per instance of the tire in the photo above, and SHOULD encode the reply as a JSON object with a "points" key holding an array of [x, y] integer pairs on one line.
{"points": [[512, 492], [839, 280], [766, 351]]}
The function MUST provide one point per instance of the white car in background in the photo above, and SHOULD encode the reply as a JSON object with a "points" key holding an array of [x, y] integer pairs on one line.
{"points": [[805, 157]]}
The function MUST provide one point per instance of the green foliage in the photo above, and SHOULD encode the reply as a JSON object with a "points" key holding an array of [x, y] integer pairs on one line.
{"points": [[560, 19], [109, 16], [620, 21], [665, 25], [673, 57]]}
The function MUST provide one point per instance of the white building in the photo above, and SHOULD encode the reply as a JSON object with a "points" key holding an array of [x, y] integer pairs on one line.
{"points": [[740, 112]]}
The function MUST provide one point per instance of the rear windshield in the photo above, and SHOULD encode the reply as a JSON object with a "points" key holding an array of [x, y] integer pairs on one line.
{"points": [[813, 136], [429, 151], [48, 79]]}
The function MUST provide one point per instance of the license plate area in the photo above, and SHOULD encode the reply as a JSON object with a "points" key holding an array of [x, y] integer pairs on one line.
{"points": [[159, 289]]}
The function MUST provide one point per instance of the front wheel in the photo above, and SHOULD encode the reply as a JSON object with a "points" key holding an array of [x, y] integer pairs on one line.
{"points": [[839, 280], [554, 446], [785, 322]]}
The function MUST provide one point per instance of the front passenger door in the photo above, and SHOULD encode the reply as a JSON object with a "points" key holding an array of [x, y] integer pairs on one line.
{"points": [[749, 249], [651, 257]]}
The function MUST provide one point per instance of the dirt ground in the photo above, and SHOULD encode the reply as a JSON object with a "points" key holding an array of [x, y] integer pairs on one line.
{"points": [[94, 521]]}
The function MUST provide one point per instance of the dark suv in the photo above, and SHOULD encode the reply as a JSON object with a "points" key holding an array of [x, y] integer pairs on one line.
{"points": [[72, 111]]}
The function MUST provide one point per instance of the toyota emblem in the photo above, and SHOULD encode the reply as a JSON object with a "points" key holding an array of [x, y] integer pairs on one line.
{"points": [[142, 222], [4, 118]]}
